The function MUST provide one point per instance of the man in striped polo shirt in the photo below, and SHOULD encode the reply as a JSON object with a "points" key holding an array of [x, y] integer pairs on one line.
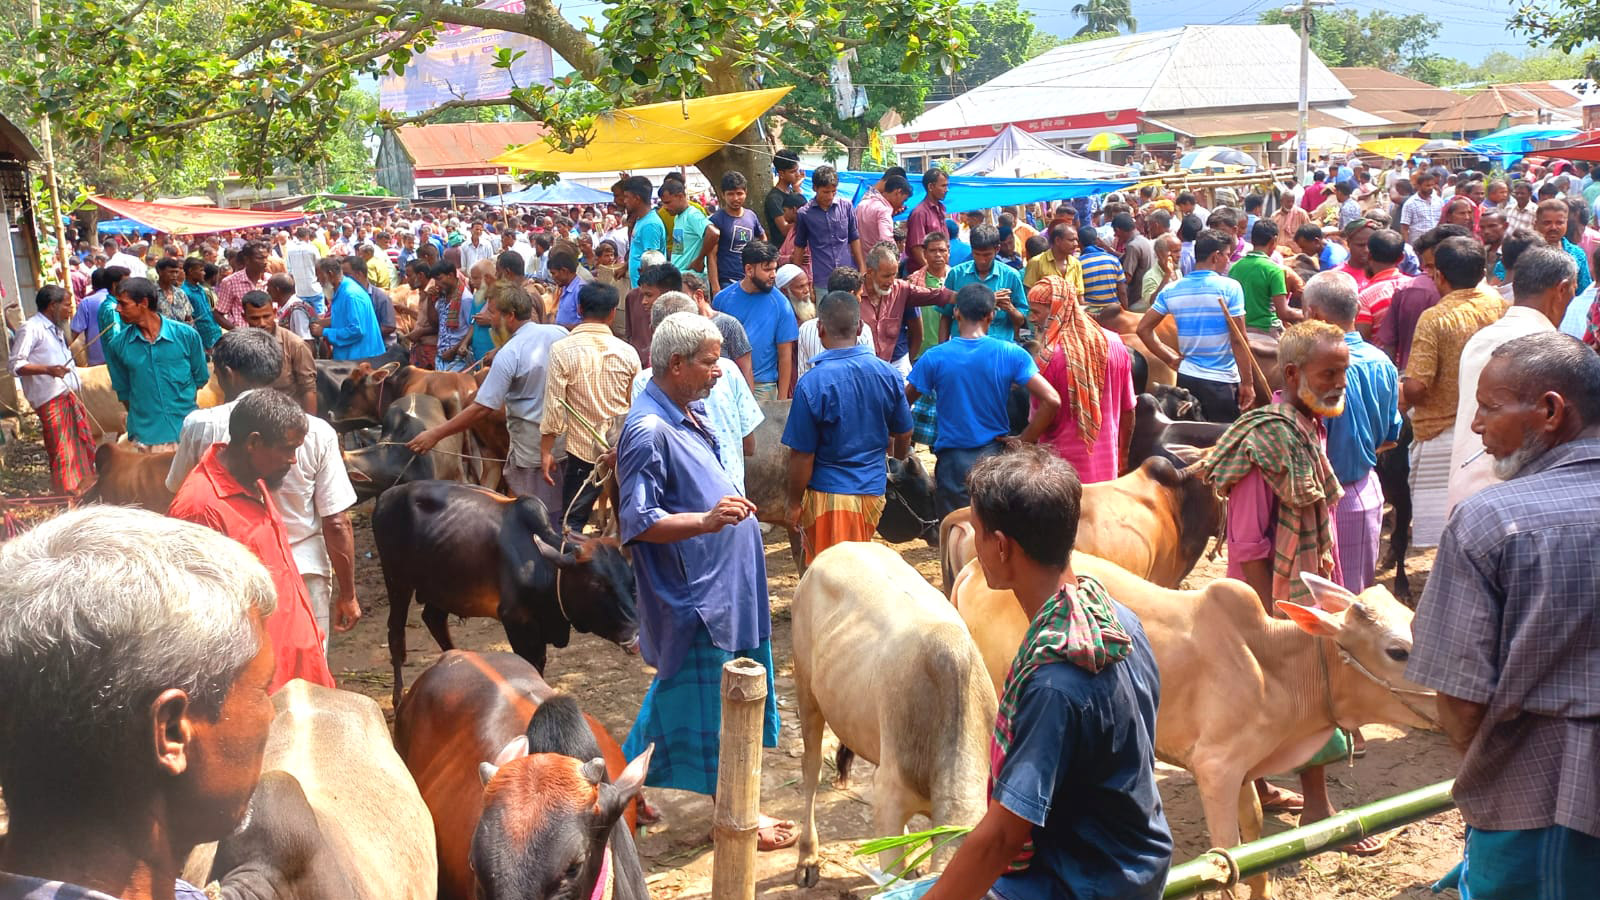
{"points": [[1210, 353], [1103, 283]]}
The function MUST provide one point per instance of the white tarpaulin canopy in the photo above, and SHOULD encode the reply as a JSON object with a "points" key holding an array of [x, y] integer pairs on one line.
{"points": [[1015, 153], [1325, 139]]}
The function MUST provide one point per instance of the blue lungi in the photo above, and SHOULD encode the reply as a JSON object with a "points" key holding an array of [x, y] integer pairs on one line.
{"points": [[1552, 863]]}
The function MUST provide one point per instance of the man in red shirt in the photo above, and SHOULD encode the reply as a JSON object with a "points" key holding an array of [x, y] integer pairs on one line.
{"points": [[228, 492]]}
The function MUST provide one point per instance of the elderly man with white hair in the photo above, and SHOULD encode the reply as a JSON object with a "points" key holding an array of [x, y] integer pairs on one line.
{"points": [[699, 564], [136, 664]]}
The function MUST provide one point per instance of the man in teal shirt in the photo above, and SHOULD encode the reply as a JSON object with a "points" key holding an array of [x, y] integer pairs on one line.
{"points": [[201, 298], [649, 233], [690, 231], [1011, 299], [351, 325], [156, 366]]}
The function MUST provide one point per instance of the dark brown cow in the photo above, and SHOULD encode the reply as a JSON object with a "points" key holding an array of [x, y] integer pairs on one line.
{"points": [[1154, 434], [367, 393], [509, 772], [127, 477]]}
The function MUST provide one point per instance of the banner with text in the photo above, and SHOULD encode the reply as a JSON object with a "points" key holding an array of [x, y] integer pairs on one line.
{"points": [[460, 66]]}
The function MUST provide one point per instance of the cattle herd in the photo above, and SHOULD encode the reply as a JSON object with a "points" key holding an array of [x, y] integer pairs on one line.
{"points": [[344, 811]]}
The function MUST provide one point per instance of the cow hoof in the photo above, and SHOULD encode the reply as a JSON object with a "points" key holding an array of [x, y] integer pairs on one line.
{"points": [[807, 876]]}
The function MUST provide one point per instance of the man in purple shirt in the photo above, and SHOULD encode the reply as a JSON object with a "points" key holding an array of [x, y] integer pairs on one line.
{"points": [[875, 215], [928, 216], [827, 227]]}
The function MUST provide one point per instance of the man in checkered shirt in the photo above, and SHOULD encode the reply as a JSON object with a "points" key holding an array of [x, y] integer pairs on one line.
{"points": [[1508, 631]]}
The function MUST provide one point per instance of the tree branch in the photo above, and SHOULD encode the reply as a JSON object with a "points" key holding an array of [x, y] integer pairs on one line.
{"points": [[539, 19], [462, 103], [816, 128]]}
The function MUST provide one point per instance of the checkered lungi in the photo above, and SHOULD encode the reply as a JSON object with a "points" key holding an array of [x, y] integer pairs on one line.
{"points": [[1358, 522], [68, 442]]}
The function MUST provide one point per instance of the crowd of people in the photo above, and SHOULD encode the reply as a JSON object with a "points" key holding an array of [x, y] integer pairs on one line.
{"points": [[1403, 305]]}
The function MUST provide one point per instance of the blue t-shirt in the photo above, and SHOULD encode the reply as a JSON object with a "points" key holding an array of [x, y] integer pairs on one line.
{"points": [[649, 233], [1332, 256], [768, 321], [736, 231], [567, 314], [1000, 277], [1082, 770], [845, 408], [960, 251], [972, 379], [1203, 335]]}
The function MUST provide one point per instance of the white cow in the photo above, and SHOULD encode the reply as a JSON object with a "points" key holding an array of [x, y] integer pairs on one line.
{"points": [[882, 658]]}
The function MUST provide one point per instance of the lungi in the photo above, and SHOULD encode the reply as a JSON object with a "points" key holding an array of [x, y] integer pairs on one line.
{"points": [[682, 716], [766, 391], [925, 420], [68, 443], [1552, 863], [1358, 523], [1430, 490], [319, 590], [829, 519]]}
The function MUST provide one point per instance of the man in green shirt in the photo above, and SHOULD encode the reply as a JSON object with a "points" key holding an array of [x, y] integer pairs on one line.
{"points": [[1266, 299]]}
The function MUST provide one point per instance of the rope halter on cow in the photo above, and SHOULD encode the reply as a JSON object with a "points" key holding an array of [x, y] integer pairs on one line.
{"points": [[1348, 658]]}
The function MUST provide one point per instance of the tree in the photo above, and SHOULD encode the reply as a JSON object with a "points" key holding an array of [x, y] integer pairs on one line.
{"points": [[1564, 25], [1501, 67], [1384, 40], [1003, 36], [276, 70], [810, 116], [1101, 16]]}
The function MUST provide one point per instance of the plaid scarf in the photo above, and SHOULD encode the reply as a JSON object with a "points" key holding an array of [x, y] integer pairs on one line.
{"points": [[1070, 330], [1285, 446], [1078, 625]]}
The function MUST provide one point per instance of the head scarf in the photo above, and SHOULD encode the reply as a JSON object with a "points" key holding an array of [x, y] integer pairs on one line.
{"points": [[1068, 329]]}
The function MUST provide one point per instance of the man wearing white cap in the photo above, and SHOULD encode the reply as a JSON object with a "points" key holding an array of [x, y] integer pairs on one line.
{"points": [[796, 285]]}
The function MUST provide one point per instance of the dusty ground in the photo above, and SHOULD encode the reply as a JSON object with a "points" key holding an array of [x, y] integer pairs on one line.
{"points": [[611, 684]]}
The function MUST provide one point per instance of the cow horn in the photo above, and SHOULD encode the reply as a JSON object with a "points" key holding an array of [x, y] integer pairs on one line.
{"points": [[594, 771], [556, 557], [486, 772]]}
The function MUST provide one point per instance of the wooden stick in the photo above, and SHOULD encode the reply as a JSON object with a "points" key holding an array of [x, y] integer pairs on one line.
{"points": [[738, 811], [1257, 377]]}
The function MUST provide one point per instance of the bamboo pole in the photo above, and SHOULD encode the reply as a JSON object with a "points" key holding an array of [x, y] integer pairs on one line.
{"points": [[738, 806], [1216, 870], [63, 253], [1258, 378]]}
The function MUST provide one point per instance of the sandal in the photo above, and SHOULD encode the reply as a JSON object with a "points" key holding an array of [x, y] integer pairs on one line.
{"points": [[1283, 801], [1371, 845]]}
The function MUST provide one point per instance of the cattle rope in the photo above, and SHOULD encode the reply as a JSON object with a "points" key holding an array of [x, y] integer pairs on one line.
{"points": [[493, 459]]}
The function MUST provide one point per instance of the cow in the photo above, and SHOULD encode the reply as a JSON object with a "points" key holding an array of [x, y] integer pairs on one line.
{"points": [[466, 550], [336, 813], [883, 659], [1155, 433], [126, 477], [331, 375], [1176, 403], [908, 508], [367, 393], [1126, 324], [1243, 695], [506, 767], [389, 462], [107, 415], [1154, 521]]}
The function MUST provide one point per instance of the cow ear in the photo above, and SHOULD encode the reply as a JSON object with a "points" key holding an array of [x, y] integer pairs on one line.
{"points": [[379, 374], [486, 772], [556, 557], [1329, 595], [1311, 619], [615, 797], [516, 749]]}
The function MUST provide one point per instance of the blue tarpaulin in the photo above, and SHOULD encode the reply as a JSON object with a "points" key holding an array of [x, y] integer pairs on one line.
{"points": [[969, 192], [122, 226], [562, 193], [1511, 144]]}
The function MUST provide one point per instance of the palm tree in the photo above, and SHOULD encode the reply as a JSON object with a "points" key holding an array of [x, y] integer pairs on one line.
{"points": [[1101, 16]]}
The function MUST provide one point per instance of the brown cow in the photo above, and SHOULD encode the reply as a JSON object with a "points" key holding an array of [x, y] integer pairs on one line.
{"points": [[1126, 323], [496, 775], [107, 415], [127, 477], [367, 392]]}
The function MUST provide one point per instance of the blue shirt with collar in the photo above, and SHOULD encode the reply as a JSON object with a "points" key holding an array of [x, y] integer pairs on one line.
{"points": [[667, 463], [157, 380], [354, 332], [1000, 277], [845, 408], [1371, 415], [567, 314], [204, 320], [971, 379]]}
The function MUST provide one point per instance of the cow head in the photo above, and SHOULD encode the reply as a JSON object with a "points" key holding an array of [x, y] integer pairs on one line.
{"points": [[359, 394], [1176, 403], [547, 822], [1195, 503], [908, 510], [1372, 636], [595, 587]]}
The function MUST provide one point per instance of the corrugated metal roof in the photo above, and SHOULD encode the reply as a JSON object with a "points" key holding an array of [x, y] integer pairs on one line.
{"points": [[1378, 91], [1207, 125], [468, 145], [1195, 67], [1517, 103]]}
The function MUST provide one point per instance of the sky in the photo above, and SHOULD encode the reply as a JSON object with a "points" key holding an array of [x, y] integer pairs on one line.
{"points": [[1469, 29]]}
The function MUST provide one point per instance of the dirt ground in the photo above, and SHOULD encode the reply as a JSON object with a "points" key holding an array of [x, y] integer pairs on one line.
{"points": [[677, 855]]}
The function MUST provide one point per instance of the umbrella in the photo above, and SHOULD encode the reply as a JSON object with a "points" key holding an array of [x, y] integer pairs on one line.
{"points": [[1216, 158], [1442, 145], [1388, 148], [1325, 139], [1106, 140]]}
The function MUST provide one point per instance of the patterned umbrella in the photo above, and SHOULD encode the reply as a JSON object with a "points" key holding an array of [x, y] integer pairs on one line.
{"points": [[1216, 158]]}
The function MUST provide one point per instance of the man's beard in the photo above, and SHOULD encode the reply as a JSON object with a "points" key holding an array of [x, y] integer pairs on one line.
{"points": [[1509, 467], [1328, 406], [761, 284]]}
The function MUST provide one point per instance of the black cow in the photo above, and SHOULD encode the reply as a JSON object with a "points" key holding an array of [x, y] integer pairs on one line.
{"points": [[908, 511], [1176, 403], [1394, 474], [389, 462], [1154, 434], [467, 550]]}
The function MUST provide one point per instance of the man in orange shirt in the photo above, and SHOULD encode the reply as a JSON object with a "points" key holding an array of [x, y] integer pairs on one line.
{"points": [[229, 492]]}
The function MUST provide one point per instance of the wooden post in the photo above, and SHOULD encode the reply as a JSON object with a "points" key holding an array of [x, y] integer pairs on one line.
{"points": [[738, 812]]}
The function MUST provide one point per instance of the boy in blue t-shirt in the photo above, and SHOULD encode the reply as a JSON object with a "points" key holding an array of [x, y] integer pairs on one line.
{"points": [[972, 375]]}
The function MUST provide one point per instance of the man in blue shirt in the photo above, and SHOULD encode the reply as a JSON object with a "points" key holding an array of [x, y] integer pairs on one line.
{"points": [[563, 266], [87, 321], [849, 411], [1309, 240], [350, 326], [1369, 424], [768, 320], [1211, 353], [1004, 282], [972, 377], [156, 366], [1073, 806]]}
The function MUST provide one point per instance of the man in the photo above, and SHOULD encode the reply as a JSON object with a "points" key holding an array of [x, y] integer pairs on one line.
{"points": [[1092, 371], [251, 277], [768, 319], [379, 263], [41, 361], [476, 247], [695, 241], [156, 366], [132, 259], [1544, 285], [786, 166], [95, 316], [1060, 260], [297, 378], [633, 195], [1492, 230], [734, 227], [1266, 296], [1370, 423], [586, 395], [1188, 205], [849, 411], [351, 326], [1550, 222], [1072, 763], [1394, 332], [936, 256], [1432, 372], [1315, 193], [202, 300], [889, 303], [1357, 243], [1104, 282], [294, 314], [156, 626], [971, 378], [1310, 241], [1002, 281], [826, 227], [698, 560], [1349, 209], [564, 272], [1211, 353], [1521, 211], [795, 284], [300, 257], [455, 318], [172, 302], [228, 491], [516, 381], [357, 268], [875, 215], [1421, 210], [1138, 253], [1505, 630], [313, 499]]}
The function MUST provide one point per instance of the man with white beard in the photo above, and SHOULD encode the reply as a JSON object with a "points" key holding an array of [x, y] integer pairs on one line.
{"points": [[1507, 628]]}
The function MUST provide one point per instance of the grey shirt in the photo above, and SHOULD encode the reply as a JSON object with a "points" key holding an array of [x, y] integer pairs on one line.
{"points": [[735, 342]]}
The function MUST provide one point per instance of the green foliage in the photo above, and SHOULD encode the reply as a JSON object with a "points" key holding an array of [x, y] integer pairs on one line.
{"points": [[1501, 67], [1002, 36], [811, 118], [1563, 25], [1344, 37], [917, 847], [1100, 16]]}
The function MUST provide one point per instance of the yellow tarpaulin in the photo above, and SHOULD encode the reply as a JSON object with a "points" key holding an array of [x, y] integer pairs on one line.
{"points": [[1389, 148], [652, 136]]}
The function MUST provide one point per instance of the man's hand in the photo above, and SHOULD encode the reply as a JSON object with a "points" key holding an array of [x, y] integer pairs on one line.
{"points": [[791, 516], [1247, 395], [423, 442], [482, 318], [346, 613], [547, 463], [58, 371], [730, 510]]}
